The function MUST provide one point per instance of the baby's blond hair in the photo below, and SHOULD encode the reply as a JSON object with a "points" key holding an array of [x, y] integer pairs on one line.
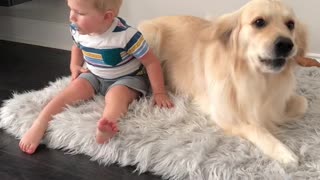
{"points": [[103, 5]]}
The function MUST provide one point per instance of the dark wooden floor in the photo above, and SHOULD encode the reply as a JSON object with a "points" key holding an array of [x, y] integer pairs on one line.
{"points": [[26, 67]]}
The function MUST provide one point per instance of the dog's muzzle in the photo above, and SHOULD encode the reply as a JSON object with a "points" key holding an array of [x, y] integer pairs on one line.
{"points": [[274, 63], [282, 49]]}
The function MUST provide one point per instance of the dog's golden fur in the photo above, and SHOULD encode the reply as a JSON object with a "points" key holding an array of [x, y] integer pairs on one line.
{"points": [[233, 70]]}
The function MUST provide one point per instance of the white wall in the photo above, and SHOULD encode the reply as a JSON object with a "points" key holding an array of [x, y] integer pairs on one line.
{"points": [[308, 12], [146, 9], [45, 22], [39, 22]]}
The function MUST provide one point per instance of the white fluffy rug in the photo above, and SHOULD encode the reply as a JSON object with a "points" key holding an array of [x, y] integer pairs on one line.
{"points": [[180, 143]]}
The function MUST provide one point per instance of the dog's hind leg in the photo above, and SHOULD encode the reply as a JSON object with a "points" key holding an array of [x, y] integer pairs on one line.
{"points": [[270, 145]]}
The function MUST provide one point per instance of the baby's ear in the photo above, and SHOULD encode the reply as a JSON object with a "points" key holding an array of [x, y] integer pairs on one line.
{"points": [[109, 15]]}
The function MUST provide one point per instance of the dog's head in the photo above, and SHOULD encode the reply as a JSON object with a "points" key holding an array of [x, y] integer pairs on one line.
{"points": [[266, 32]]}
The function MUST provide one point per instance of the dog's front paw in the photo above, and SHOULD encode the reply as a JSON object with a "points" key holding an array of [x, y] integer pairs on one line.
{"points": [[286, 156], [296, 106]]}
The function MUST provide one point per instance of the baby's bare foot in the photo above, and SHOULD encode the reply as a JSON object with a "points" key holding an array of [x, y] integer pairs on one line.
{"points": [[31, 139], [105, 130]]}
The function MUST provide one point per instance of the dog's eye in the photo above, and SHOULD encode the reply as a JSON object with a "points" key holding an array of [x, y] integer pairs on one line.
{"points": [[260, 23], [290, 24]]}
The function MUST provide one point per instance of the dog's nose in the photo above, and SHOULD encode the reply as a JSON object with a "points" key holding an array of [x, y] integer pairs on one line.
{"points": [[283, 46]]}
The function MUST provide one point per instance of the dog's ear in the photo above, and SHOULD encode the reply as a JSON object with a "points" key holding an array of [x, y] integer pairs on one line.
{"points": [[301, 39], [223, 28], [226, 26]]}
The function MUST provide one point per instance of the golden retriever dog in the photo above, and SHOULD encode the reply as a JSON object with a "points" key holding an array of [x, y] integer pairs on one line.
{"points": [[238, 68]]}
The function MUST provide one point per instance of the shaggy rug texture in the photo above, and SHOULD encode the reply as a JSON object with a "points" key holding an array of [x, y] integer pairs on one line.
{"points": [[180, 143]]}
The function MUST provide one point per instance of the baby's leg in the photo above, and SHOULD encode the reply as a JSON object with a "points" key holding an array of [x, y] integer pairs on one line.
{"points": [[79, 89], [117, 101]]}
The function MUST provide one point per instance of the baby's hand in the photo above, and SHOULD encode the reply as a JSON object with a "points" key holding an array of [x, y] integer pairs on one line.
{"points": [[162, 100], [76, 71]]}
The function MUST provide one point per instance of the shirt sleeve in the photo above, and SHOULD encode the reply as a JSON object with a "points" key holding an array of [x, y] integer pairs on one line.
{"points": [[73, 31], [137, 46]]}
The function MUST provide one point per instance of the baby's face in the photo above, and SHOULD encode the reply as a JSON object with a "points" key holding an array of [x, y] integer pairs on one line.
{"points": [[86, 18]]}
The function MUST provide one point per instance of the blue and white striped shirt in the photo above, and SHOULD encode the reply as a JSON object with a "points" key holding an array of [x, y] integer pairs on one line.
{"points": [[115, 53]]}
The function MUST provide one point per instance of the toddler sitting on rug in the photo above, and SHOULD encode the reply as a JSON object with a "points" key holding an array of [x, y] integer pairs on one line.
{"points": [[119, 64]]}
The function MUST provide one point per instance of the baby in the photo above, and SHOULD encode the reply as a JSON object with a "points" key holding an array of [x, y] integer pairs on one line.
{"points": [[119, 64]]}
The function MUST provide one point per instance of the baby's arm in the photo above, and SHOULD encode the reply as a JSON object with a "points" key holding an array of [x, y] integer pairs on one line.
{"points": [[307, 62], [154, 70], [76, 62]]}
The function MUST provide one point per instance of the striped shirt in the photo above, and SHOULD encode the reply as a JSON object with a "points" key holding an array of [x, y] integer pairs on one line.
{"points": [[115, 53]]}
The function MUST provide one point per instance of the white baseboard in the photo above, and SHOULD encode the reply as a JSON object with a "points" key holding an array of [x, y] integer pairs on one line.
{"points": [[37, 32], [314, 56]]}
